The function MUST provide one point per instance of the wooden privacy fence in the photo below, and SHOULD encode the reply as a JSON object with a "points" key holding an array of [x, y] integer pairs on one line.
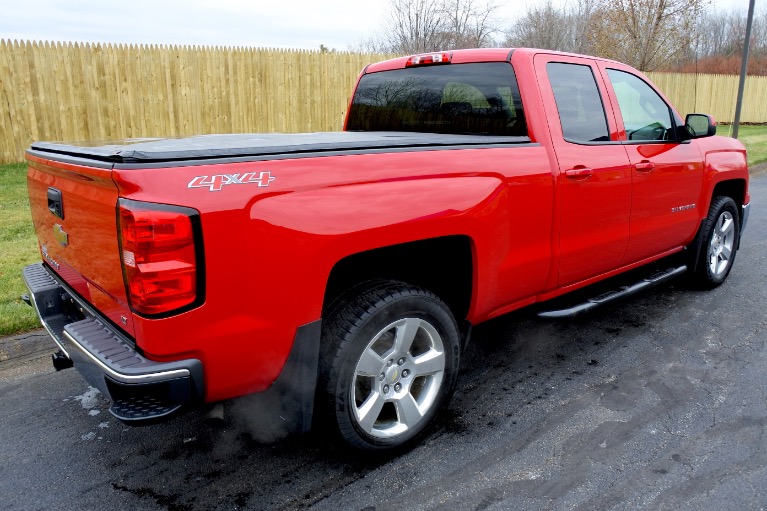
{"points": [[70, 92], [715, 95]]}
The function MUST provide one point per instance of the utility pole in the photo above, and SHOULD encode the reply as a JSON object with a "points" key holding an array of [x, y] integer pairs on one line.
{"points": [[743, 69]]}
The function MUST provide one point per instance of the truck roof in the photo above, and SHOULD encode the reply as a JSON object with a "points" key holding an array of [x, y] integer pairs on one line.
{"points": [[472, 55]]}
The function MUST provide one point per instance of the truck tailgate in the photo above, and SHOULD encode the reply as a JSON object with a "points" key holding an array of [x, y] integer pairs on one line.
{"points": [[74, 210]]}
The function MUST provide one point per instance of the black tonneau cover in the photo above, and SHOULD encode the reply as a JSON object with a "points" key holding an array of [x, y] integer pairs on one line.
{"points": [[207, 147]]}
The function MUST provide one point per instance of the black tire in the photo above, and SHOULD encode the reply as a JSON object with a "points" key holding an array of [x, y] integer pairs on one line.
{"points": [[388, 365], [720, 234]]}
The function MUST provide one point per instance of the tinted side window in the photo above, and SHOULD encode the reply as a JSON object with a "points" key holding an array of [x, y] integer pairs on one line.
{"points": [[645, 115], [479, 98], [578, 101]]}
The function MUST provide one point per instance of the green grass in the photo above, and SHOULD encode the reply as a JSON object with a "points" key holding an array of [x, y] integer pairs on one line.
{"points": [[18, 244], [18, 248], [754, 138]]}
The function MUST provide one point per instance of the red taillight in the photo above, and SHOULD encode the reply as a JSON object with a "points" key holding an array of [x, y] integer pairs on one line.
{"points": [[159, 256], [429, 58]]}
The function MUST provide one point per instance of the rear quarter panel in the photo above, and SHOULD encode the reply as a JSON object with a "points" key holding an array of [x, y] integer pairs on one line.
{"points": [[269, 250]]}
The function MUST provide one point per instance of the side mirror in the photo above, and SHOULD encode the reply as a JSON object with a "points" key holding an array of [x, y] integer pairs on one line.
{"points": [[700, 125]]}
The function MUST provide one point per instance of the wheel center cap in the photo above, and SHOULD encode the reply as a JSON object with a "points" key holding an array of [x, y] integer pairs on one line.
{"points": [[392, 375]]}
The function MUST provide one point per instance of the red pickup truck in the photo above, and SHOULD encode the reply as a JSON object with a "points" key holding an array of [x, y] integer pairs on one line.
{"points": [[342, 272]]}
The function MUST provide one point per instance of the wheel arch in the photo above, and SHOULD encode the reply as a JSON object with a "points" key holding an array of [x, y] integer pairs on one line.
{"points": [[733, 188], [443, 265], [736, 190]]}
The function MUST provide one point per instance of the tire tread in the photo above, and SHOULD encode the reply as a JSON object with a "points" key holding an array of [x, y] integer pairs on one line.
{"points": [[345, 317], [701, 278]]}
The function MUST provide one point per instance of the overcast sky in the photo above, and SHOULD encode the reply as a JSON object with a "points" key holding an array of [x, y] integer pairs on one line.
{"points": [[274, 24]]}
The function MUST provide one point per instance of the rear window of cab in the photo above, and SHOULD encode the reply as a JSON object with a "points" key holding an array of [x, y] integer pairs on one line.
{"points": [[474, 99]]}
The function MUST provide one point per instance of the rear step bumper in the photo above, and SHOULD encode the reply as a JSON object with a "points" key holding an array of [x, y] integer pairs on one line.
{"points": [[142, 391], [616, 294]]}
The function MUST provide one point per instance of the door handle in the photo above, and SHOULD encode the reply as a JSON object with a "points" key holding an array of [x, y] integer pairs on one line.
{"points": [[579, 172], [644, 166]]}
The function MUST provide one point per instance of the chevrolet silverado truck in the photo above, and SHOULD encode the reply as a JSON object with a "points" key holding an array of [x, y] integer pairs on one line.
{"points": [[342, 272]]}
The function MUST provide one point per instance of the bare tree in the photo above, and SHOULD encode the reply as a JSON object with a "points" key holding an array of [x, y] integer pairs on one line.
{"points": [[418, 26], [470, 23], [581, 15], [723, 33], [553, 28], [718, 46], [414, 26], [647, 34], [542, 27]]}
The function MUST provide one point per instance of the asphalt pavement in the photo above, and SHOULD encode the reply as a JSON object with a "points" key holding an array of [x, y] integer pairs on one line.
{"points": [[657, 402]]}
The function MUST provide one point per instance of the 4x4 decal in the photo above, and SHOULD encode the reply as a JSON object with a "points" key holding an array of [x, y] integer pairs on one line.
{"points": [[215, 183]]}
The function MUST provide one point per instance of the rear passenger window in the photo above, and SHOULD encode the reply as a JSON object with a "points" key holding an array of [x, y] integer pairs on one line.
{"points": [[578, 101]]}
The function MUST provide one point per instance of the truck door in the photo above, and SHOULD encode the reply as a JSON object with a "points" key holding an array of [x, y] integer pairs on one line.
{"points": [[667, 174], [594, 176]]}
